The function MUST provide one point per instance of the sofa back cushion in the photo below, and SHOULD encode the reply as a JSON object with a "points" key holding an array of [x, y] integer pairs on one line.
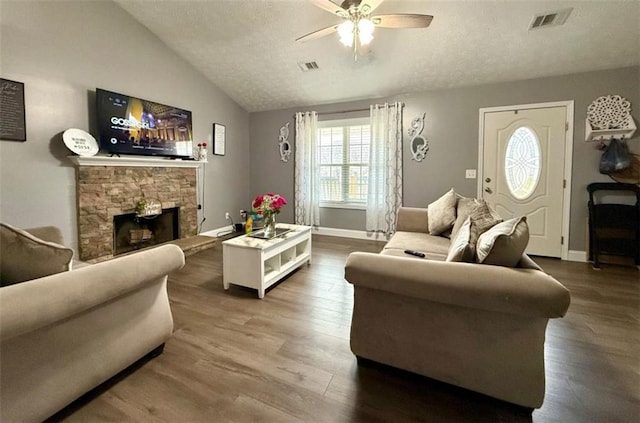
{"points": [[504, 244], [24, 257]]}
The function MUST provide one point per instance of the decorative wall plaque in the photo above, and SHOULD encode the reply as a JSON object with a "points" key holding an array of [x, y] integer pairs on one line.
{"points": [[80, 142], [609, 117], [284, 145], [12, 116], [418, 144]]}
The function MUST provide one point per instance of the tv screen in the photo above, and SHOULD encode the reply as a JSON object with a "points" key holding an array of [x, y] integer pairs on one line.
{"points": [[130, 125]]}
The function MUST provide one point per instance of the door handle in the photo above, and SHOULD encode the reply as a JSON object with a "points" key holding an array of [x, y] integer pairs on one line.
{"points": [[488, 190]]}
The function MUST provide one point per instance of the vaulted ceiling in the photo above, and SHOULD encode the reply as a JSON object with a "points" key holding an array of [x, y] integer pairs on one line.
{"points": [[248, 47]]}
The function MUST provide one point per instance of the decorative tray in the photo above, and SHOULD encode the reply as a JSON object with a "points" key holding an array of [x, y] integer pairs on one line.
{"points": [[260, 233]]}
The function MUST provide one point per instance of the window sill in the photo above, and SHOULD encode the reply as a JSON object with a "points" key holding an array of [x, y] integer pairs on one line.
{"points": [[350, 206]]}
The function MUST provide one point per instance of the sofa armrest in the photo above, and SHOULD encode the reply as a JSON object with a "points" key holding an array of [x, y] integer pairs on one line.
{"points": [[47, 233], [412, 219], [28, 306], [527, 292]]}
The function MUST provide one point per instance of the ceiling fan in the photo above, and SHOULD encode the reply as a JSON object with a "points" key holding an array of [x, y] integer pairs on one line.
{"points": [[357, 28]]}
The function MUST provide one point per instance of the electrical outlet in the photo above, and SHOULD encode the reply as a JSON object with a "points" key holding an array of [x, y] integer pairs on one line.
{"points": [[227, 216], [470, 174]]}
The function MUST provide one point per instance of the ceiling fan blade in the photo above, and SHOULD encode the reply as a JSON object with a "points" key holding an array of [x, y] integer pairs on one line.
{"points": [[330, 7], [402, 20], [317, 34], [368, 6]]}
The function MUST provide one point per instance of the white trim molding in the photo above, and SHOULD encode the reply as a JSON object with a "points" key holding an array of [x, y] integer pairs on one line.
{"points": [[350, 233], [133, 161], [575, 255], [568, 158], [225, 230]]}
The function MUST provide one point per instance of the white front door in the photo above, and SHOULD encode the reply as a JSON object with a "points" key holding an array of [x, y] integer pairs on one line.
{"points": [[523, 162]]}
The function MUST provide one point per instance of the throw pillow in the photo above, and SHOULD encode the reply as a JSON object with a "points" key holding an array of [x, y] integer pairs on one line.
{"points": [[463, 245], [463, 208], [484, 217], [442, 213], [481, 213], [24, 257], [504, 244]]}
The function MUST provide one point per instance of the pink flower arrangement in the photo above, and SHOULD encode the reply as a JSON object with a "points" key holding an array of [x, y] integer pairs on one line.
{"points": [[269, 203]]}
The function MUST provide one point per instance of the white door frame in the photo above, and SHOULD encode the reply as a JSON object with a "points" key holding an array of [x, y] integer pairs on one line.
{"points": [[568, 158]]}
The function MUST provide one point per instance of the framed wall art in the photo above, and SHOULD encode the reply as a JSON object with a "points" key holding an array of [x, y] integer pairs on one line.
{"points": [[219, 139], [12, 116]]}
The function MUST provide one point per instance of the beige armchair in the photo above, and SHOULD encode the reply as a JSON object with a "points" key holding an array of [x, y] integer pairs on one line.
{"points": [[62, 335]]}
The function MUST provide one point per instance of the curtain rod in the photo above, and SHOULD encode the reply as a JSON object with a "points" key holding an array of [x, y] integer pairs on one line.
{"points": [[353, 110]]}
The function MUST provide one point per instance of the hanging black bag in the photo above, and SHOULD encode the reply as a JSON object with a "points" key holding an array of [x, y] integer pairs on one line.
{"points": [[615, 158]]}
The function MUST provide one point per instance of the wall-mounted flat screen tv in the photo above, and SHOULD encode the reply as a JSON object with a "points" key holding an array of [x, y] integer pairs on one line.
{"points": [[130, 125]]}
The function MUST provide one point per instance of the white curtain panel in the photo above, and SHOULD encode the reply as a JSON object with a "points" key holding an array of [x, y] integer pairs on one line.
{"points": [[385, 168], [307, 170]]}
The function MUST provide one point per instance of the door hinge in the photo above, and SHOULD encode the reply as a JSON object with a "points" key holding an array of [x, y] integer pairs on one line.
{"points": [[566, 126], [562, 240], [564, 183]]}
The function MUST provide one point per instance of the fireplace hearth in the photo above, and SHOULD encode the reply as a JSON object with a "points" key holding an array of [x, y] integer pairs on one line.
{"points": [[131, 232]]}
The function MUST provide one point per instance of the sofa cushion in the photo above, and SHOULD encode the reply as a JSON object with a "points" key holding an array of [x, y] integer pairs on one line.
{"points": [[435, 247], [24, 257], [504, 244], [442, 213], [463, 245]]}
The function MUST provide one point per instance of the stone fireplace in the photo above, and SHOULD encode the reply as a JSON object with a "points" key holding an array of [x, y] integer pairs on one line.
{"points": [[107, 191], [132, 232]]}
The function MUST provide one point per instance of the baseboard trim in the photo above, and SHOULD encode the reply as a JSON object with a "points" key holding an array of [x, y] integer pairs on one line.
{"points": [[577, 255], [218, 232], [574, 255], [350, 233]]}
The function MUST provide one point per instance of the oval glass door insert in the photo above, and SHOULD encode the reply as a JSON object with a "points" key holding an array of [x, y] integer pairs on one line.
{"points": [[522, 163]]}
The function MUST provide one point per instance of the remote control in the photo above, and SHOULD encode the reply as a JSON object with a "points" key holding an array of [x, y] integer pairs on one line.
{"points": [[414, 253]]}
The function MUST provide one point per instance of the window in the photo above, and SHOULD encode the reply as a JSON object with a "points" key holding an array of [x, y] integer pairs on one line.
{"points": [[522, 163], [344, 162]]}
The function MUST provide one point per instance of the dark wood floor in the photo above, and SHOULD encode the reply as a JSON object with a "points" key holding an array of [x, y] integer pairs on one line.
{"points": [[286, 358]]}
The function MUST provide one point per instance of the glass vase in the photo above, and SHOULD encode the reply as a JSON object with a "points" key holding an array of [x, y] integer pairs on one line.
{"points": [[269, 225]]}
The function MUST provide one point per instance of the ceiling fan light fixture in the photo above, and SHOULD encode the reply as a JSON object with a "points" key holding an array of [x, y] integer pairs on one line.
{"points": [[345, 31], [365, 31]]}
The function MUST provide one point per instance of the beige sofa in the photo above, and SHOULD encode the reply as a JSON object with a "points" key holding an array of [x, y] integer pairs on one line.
{"points": [[62, 335], [477, 326]]}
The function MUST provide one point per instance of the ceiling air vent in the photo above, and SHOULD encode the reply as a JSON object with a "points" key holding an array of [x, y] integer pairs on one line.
{"points": [[308, 66], [548, 19]]}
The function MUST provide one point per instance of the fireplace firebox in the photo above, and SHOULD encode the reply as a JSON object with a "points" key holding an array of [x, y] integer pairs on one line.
{"points": [[131, 232]]}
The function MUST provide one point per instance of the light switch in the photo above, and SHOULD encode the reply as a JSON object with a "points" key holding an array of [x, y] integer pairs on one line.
{"points": [[470, 174]]}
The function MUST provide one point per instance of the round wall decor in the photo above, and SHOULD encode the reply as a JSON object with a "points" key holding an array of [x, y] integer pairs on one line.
{"points": [[609, 112], [80, 142]]}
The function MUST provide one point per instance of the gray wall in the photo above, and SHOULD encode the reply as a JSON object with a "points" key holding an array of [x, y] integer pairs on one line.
{"points": [[452, 131], [62, 51], [269, 173]]}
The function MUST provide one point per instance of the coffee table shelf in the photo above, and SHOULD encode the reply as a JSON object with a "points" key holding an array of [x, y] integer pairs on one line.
{"points": [[259, 263]]}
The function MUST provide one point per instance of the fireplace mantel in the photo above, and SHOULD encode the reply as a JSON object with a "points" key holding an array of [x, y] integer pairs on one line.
{"points": [[132, 161]]}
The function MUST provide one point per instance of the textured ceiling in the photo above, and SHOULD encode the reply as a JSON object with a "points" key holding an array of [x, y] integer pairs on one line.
{"points": [[248, 48]]}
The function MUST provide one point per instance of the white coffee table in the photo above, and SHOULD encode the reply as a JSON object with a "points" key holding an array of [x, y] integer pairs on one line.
{"points": [[259, 263]]}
